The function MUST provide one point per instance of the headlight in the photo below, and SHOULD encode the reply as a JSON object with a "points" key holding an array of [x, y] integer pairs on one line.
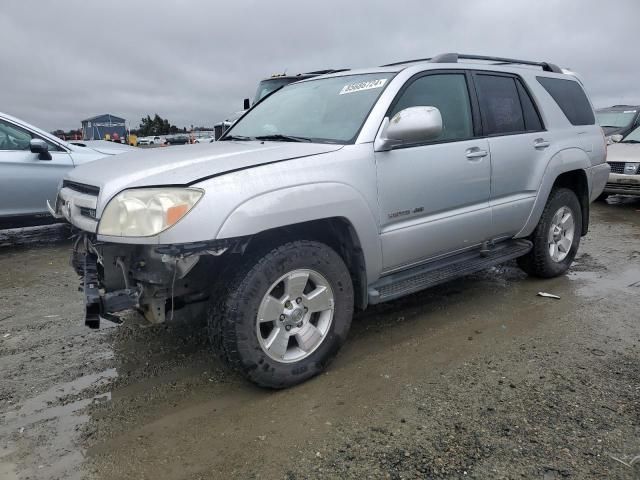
{"points": [[143, 212]]}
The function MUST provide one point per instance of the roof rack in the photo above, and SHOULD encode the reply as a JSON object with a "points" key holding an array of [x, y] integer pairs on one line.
{"points": [[454, 57]]}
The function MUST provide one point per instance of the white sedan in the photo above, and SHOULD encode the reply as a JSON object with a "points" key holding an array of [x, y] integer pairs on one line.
{"points": [[32, 164]]}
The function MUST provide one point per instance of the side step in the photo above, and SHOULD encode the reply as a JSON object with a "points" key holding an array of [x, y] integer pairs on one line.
{"points": [[424, 276]]}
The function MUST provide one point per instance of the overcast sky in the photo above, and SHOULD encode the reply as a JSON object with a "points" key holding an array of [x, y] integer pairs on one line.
{"points": [[194, 61]]}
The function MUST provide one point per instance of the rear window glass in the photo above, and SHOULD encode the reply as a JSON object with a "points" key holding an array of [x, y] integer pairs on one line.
{"points": [[571, 99]]}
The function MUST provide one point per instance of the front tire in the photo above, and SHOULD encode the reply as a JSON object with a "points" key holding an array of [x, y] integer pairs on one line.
{"points": [[285, 314], [556, 238]]}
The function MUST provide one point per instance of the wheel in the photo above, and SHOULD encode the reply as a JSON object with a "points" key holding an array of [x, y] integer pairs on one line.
{"points": [[284, 314], [556, 238], [602, 197]]}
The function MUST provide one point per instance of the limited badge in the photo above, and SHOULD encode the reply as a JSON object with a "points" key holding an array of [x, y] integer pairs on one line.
{"points": [[358, 87]]}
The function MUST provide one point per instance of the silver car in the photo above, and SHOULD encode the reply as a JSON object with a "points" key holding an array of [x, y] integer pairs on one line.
{"points": [[624, 159], [338, 192], [32, 164]]}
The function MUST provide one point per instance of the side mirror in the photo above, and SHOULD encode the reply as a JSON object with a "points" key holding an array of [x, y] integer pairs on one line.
{"points": [[411, 125], [39, 146], [247, 104], [616, 138]]}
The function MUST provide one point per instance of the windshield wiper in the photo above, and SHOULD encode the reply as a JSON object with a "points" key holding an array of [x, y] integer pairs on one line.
{"points": [[235, 137], [283, 138], [629, 141]]}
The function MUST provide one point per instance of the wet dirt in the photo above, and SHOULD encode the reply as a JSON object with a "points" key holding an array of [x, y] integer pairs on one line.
{"points": [[478, 378]]}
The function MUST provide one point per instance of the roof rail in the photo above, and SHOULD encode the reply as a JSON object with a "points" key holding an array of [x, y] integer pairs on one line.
{"points": [[454, 57]]}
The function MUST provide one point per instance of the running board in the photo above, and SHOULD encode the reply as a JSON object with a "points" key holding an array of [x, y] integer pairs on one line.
{"points": [[418, 278]]}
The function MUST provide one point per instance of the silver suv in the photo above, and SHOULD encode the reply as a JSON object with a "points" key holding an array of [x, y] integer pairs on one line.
{"points": [[338, 192]]}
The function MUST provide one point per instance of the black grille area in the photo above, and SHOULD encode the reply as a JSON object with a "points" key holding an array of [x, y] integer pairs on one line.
{"points": [[81, 187], [617, 167]]}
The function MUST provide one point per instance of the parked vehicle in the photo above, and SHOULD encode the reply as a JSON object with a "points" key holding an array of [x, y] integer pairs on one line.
{"points": [[32, 164], [204, 140], [338, 192], [178, 139], [266, 87], [271, 84], [153, 140], [624, 159], [619, 119]]}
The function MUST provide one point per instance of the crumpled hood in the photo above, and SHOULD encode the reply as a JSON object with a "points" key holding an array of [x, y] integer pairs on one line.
{"points": [[184, 165], [623, 152]]}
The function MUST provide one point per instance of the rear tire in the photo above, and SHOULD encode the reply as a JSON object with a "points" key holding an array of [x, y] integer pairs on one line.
{"points": [[283, 314], [556, 238]]}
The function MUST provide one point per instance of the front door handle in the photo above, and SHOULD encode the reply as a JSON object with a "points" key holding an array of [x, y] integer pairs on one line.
{"points": [[474, 153], [541, 143]]}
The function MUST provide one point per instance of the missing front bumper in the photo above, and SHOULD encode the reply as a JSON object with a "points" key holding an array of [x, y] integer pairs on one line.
{"points": [[99, 306]]}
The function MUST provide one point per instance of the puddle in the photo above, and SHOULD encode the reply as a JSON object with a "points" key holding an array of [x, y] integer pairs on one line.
{"points": [[58, 414], [599, 285]]}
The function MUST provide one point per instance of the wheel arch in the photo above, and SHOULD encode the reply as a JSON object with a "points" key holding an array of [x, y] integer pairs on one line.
{"points": [[332, 213], [568, 169]]}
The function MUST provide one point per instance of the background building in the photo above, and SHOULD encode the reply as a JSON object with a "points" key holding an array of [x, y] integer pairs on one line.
{"points": [[105, 126]]}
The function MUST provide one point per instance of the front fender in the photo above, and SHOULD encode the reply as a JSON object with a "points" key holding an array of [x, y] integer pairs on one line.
{"points": [[303, 203], [562, 162]]}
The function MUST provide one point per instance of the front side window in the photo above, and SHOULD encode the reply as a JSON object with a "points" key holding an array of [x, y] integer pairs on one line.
{"points": [[13, 137], [500, 105], [324, 110], [448, 93]]}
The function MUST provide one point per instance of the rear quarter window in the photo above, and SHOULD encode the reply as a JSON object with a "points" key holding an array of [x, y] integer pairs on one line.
{"points": [[571, 99]]}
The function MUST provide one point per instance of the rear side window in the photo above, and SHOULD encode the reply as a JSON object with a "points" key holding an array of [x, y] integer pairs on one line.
{"points": [[571, 99], [531, 118], [499, 104]]}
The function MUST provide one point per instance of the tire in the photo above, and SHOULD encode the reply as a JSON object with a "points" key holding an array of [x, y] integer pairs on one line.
{"points": [[602, 197], [539, 262], [260, 286]]}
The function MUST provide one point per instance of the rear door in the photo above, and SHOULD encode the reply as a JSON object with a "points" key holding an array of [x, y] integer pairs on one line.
{"points": [[433, 196], [519, 148], [26, 182]]}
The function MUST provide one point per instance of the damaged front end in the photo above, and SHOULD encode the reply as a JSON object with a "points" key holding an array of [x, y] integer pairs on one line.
{"points": [[156, 280]]}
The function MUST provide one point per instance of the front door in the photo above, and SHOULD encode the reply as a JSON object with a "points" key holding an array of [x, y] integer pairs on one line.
{"points": [[434, 196]]}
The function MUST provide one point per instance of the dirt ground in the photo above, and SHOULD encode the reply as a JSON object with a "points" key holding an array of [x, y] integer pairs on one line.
{"points": [[478, 378]]}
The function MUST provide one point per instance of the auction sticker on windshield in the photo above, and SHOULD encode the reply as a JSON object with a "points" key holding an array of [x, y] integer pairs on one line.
{"points": [[358, 87]]}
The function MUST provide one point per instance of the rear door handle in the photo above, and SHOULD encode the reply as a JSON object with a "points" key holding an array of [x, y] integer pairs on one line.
{"points": [[475, 153], [540, 143]]}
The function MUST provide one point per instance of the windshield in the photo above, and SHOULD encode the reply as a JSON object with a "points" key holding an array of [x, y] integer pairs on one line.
{"points": [[633, 137], [265, 87], [615, 119], [327, 110]]}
